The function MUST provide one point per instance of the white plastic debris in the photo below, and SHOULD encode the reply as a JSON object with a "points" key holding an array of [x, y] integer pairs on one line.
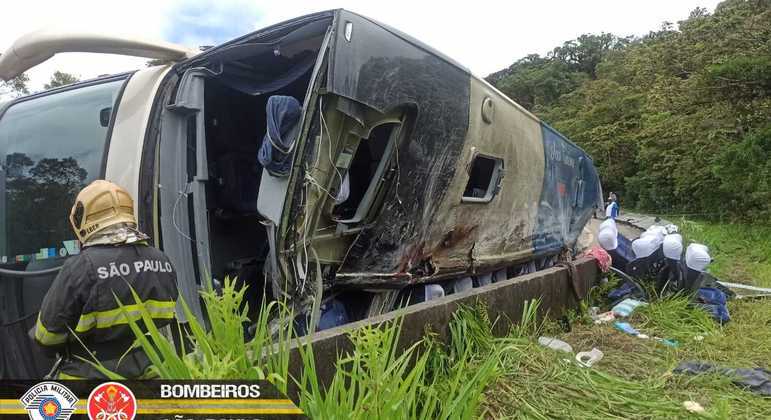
{"points": [[604, 317], [433, 291], [693, 407], [462, 284], [555, 344], [671, 228], [697, 257], [589, 358], [485, 279], [673, 246], [345, 190]]}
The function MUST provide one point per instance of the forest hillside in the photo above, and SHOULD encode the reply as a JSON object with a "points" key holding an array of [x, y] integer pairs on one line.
{"points": [[678, 121]]}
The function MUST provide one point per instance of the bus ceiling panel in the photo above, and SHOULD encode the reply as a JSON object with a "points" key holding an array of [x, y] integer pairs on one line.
{"points": [[251, 84]]}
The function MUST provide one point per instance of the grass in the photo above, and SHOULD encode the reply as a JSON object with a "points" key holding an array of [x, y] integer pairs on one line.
{"points": [[378, 379], [634, 379], [478, 375], [741, 253]]}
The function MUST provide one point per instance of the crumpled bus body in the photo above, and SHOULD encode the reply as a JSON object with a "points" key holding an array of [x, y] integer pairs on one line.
{"points": [[421, 226], [389, 167]]}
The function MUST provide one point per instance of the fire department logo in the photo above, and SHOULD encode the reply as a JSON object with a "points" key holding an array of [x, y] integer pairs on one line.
{"points": [[49, 401], [112, 401]]}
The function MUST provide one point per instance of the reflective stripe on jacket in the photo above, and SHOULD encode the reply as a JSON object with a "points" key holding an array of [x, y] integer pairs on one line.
{"points": [[83, 299]]}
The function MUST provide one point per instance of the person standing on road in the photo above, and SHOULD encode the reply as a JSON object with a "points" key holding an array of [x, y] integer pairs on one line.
{"points": [[612, 210], [80, 313]]}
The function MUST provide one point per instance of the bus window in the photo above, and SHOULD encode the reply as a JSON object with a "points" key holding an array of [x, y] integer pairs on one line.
{"points": [[51, 146]]}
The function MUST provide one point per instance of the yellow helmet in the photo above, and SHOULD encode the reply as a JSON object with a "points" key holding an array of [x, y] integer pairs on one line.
{"points": [[99, 205]]}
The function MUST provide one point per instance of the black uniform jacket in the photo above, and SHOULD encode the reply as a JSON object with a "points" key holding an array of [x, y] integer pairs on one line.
{"points": [[83, 300]]}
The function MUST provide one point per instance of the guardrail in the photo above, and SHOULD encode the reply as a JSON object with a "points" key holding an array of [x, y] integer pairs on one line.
{"points": [[504, 300]]}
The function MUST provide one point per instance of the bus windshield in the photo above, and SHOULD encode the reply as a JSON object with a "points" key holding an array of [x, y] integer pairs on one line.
{"points": [[51, 146]]}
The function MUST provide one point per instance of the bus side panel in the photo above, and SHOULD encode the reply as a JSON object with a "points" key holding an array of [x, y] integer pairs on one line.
{"points": [[568, 196], [498, 232], [380, 70]]}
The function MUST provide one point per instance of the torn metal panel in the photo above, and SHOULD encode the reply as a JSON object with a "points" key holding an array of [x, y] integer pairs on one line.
{"points": [[380, 70]]}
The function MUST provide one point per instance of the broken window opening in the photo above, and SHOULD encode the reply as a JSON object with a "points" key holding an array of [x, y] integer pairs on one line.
{"points": [[365, 174], [485, 174]]}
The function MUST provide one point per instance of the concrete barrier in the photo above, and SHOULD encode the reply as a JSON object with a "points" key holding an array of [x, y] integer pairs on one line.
{"points": [[504, 300]]}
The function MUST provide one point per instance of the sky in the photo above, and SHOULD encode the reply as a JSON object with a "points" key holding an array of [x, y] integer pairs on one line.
{"points": [[485, 36]]}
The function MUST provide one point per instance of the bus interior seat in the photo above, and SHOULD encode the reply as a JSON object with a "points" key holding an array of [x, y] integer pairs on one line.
{"points": [[284, 112]]}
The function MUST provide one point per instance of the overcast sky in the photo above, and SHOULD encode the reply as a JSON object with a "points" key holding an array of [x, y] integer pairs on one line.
{"points": [[485, 36]]}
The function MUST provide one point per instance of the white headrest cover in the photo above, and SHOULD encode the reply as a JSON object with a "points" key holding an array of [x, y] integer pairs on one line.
{"points": [[644, 246], [673, 246], [697, 257], [608, 238]]}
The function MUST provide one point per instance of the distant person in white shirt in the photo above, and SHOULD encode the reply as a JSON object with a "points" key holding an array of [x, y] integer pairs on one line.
{"points": [[612, 210]]}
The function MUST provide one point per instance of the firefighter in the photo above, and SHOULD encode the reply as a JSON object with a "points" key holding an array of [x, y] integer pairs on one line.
{"points": [[80, 313]]}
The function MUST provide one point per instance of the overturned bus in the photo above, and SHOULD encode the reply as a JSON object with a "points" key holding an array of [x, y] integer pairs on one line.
{"points": [[329, 155]]}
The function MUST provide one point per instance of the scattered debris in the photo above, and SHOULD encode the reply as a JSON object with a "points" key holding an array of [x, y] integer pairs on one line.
{"points": [[626, 307], [626, 327], [555, 344], [713, 300], [603, 317], [667, 342], [757, 380], [693, 407], [747, 291], [626, 289], [601, 256], [589, 358]]}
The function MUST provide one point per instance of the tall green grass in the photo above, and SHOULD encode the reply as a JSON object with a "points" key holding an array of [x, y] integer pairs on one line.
{"points": [[740, 252], [219, 352], [378, 379]]}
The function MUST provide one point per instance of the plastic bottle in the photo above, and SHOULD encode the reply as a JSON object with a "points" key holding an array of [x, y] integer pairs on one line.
{"points": [[555, 344]]}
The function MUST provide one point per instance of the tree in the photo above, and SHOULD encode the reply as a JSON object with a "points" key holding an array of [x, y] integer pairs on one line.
{"points": [[584, 53], [60, 78], [676, 120], [15, 87]]}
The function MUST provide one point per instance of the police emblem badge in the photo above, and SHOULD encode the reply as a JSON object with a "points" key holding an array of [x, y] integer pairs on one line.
{"points": [[49, 401]]}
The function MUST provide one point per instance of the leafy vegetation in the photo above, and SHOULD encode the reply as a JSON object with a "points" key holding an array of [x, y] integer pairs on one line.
{"points": [[60, 78], [19, 85], [740, 253], [217, 350], [15, 87], [678, 120], [378, 379]]}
